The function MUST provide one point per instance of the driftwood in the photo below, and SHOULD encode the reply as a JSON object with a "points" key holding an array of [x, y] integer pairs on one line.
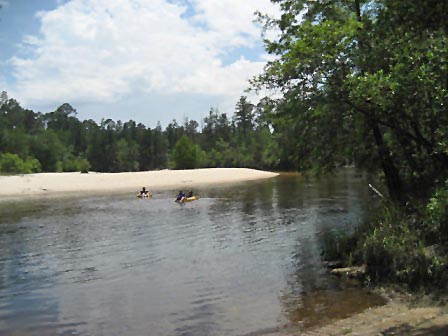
{"points": [[376, 191], [351, 272]]}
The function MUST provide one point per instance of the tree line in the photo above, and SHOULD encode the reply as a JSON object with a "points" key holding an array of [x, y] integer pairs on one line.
{"points": [[58, 141]]}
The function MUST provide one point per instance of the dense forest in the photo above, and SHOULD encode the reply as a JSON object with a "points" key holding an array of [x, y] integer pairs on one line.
{"points": [[59, 141], [363, 83]]}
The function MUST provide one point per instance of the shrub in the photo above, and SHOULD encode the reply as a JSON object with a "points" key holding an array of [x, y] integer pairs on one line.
{"points": [[397, 250], [437, 215], [400, 246], [73, 164], [32, 165], [11, 163], [83, 165]]}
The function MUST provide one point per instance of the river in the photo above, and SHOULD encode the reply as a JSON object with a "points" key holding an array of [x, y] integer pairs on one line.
{"points": [[242, 260]]}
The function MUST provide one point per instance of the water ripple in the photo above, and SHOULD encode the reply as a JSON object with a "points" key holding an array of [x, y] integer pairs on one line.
{"points": [[237, 262]]}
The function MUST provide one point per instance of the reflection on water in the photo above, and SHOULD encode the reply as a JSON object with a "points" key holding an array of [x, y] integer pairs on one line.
{"points": [[243, 259]]}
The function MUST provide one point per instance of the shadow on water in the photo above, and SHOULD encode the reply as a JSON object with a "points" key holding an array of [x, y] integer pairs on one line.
{"points": [[244, 259], [12, 212], [312, 298]]}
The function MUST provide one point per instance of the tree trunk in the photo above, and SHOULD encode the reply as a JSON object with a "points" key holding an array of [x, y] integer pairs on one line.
{"points": [[393, 181]]}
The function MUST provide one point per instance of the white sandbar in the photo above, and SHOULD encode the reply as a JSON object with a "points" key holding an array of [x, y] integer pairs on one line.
{"points": [[56, 183]]}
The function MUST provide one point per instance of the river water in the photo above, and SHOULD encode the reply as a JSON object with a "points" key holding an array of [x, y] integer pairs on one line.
{"points": [[242, 260]]}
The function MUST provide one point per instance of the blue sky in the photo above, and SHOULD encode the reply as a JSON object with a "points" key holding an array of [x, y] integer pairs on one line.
{"points": [[146, 60]]}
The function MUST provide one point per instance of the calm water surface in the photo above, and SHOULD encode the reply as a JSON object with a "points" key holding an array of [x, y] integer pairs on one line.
{"points": [[244, 259]]}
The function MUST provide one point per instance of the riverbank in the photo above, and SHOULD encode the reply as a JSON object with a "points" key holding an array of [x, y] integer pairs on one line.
{"points": [[398, 317], [402, 315], [48, 184]]}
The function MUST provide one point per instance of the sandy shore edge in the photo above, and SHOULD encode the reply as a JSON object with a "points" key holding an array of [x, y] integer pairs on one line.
{"points": [[397, 317], [48, 184], [403, 314]]}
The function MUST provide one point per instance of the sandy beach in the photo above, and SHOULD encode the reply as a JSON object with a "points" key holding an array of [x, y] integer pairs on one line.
{"points": [[399, 317], [77, 183]]}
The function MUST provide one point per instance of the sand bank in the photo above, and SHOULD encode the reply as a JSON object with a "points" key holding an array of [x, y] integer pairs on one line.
{"points": [[57, 183], [395, 318], [404, 314]]}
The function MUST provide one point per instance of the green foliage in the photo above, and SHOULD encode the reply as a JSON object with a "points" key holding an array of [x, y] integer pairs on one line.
{"points": [[437, 215], [267, 149], [398, 245], [221, 156], [49, 150], [396, 249], [244, 118], [186, 154], [127, 155], [32, 165], [339, 245], [12, 163], [217, 127], [83, 165], [74, 164], [61, 142], [360, 83]]}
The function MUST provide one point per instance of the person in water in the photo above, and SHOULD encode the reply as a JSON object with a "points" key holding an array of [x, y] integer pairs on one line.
{"points": [[180, 196], [190, 194], [144, 193]]}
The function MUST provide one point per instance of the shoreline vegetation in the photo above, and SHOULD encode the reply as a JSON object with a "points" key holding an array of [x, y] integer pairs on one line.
{"points": [[56, 184]]}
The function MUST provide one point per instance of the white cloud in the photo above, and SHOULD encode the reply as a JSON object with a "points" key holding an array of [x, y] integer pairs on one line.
{"points": [[232, 20], [104, 50]]}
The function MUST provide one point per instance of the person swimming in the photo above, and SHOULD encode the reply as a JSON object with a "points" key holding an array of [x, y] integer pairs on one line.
{"points": [[144, 193], [180, 197]]}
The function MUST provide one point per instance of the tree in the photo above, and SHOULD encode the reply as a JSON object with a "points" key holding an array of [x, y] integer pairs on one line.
{"points": [[221, 156], [127, 156], [159, 148], [244, 115], [145, 139], [59, 119], [190, 128], [173, 133], [186, 154], [49, 150], [349, 94]]}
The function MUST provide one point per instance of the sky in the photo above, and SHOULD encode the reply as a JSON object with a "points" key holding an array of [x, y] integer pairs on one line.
{"points": [[146, 60]]}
